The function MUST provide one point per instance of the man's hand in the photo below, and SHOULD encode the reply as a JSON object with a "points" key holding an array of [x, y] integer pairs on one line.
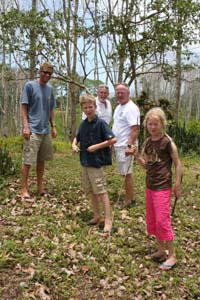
{"points": [[26, 132], [131, 150], [53, 132]]}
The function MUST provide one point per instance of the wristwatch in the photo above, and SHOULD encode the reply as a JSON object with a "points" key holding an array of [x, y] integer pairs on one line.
{"points": [[130, 146]]}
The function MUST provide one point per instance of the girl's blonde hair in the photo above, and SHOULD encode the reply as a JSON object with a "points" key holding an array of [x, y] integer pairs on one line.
{"points": [[87, 98], [155, 112]]}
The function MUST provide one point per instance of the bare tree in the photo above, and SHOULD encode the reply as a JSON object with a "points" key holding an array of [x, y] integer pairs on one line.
{"points": [[33, 44]]}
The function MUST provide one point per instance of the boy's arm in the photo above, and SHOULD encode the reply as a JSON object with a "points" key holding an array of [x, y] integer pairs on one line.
{"points": [[75, 148], [102, 145], [177, 164]]}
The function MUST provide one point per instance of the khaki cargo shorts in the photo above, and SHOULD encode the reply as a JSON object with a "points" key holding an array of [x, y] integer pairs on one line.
{"points": [[124, 163], [38, 148], [93, 180]]}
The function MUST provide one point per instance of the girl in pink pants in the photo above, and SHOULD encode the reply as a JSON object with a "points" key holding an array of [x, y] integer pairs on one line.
{"points": [[158, 154]]}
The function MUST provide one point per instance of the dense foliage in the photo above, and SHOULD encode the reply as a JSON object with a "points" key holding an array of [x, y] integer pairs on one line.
{"points": [[6, 164], [118, 41], [187, 138]]}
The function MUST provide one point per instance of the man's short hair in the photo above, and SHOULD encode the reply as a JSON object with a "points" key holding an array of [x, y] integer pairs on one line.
{"points": [[123, 84], [46, 64], [103, 86]]}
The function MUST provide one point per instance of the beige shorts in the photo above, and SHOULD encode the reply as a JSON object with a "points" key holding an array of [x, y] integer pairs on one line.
{"points": [[124, 163], [38, 148], [93, 180]]}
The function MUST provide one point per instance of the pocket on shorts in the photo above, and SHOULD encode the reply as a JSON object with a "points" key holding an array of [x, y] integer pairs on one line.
{"points": [[120, 155], [26, 145]]}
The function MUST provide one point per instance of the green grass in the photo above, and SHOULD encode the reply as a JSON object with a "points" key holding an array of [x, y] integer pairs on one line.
{"points": [[47, 250]]}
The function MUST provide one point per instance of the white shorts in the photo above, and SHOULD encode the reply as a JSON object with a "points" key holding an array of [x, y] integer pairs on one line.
{"points": [[124, 163]]}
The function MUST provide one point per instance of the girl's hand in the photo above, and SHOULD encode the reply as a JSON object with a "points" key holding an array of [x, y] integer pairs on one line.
{"points": [[177, 190], [75, 148]]}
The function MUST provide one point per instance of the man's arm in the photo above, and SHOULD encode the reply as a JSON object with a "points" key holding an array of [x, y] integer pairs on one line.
{"points": [[132, 139], [52, 118], [134, 134], [26, 130], [53, 124]]}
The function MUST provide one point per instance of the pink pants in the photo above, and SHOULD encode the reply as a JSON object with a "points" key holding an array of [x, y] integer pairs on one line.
{"points": [[158, 214]]}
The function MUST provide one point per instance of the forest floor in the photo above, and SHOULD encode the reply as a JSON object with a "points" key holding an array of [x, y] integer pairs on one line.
{"points": [[49, 252]]}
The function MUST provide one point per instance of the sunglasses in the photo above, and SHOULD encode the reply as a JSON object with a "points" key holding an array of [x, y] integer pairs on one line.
{"points": [[46, 72]]}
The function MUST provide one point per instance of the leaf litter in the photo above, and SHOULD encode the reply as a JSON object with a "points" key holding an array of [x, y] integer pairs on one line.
{"points": [[49, 252]]}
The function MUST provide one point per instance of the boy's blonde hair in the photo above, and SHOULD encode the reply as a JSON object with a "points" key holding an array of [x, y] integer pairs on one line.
{"points": [[155, 112], [87, 98]]}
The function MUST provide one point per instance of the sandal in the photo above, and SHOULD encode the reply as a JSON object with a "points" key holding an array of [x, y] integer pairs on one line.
{"points": [[156, 258], [94, 222], [132, 203], [44, 194], [167, 267]]}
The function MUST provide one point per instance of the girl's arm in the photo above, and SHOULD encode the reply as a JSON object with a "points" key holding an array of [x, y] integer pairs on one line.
{"points": [[101, 145], [177, 164], [140, 158]]}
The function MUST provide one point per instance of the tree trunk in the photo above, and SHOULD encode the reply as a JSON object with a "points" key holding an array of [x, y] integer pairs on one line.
{"points": [[71, 58], [33, 45], [178, 80]]}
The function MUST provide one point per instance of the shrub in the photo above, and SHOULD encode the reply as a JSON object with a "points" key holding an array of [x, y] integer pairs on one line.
{"points": [[187, 138], [7, 166], [13, 143]]}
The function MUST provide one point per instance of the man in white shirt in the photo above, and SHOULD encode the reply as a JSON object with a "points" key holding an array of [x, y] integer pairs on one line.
{"points": [[104, 108], [126, 129]]}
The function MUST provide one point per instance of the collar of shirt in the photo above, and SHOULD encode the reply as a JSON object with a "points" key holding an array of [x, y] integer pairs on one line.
{"points": [[92, 121]]}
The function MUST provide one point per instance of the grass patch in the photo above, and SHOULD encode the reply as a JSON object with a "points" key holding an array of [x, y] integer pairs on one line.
{"points": [[49, 252]]}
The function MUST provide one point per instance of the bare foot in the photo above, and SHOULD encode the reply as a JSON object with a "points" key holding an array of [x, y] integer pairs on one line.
{"points": [[27, 198], [24, 193], [107, 227]]}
